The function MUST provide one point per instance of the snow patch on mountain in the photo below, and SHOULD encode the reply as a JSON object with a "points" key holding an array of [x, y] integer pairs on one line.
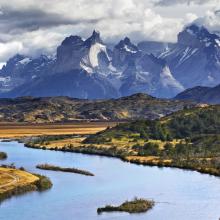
{"points": [[25, 61], [5, 79], [218, 42], [129, 49], [168, 80], [187, 54], [94, 52]]}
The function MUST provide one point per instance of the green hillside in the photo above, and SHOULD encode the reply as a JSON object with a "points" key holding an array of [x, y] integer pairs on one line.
{"points": [[187, 139]]}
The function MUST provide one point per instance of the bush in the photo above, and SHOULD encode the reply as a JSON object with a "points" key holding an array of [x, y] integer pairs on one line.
{"points": [[3, 155], [43, 183]]}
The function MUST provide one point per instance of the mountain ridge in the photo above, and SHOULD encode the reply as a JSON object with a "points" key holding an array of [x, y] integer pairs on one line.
{"points": [[199, 94], [123, 71], [90, 69], [66, 109]]}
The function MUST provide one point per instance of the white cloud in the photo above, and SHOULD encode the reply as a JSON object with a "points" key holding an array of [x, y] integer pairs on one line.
{"points": [[211, 20], [32, 27], [2, 64], [189, 2], [190, 17], [9, 49]]}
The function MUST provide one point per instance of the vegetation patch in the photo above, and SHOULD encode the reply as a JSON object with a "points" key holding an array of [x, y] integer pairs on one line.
{"points": [[3, 156], [43, 183], [134, 206], [69, 170]]}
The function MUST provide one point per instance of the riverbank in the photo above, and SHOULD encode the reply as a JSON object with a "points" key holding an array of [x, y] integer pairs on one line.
{"points": [[114, 182], [17, 181], [63, 169], [125, 150]]}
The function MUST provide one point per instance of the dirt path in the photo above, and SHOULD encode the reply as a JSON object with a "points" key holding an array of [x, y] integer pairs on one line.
{"points": [[15, 179]]}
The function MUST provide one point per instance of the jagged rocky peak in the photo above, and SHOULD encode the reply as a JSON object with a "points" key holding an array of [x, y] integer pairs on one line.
{"points": [[125, 53], [198, 36], [94, 38], [18, 59], [127, 46], [72, 40], [69, 54], [96, 57], [74, 53], [15, 62]]}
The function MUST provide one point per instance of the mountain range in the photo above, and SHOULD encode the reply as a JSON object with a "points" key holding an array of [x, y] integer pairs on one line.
{"points": [[89, 69]]}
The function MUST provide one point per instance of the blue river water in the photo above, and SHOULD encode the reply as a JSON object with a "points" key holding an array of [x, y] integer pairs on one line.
{"points": [[179, 195]]}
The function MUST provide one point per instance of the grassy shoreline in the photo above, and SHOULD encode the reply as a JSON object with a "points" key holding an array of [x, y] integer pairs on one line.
{"points": [[138, 160]]}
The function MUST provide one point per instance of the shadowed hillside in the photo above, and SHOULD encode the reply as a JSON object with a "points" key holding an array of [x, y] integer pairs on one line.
{"points": [[64, 109]]}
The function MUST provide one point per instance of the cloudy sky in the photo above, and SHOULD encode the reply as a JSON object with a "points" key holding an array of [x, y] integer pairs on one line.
{"points": [[32, 27]]}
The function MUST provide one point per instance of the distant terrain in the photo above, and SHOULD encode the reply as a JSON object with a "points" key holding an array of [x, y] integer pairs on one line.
{"points": [[64, 109], [201, 94]]}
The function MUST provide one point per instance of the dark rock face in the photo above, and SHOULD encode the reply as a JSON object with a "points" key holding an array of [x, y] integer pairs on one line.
{"points": [[124, 54], [69, 54], [95, 38]]}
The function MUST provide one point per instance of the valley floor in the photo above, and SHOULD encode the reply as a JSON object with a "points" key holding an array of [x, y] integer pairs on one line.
{"points": [[20, 130]]}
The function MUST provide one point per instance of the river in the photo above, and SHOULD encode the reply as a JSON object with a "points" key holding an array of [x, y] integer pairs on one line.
{"points": [[179, 194]]}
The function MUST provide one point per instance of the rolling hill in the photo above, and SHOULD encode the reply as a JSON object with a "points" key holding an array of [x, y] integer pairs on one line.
{"points": [[65, 109]]}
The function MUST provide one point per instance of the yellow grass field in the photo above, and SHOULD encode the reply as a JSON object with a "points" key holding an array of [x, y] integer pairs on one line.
{"points": [[8, 130], [11, 178]]}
